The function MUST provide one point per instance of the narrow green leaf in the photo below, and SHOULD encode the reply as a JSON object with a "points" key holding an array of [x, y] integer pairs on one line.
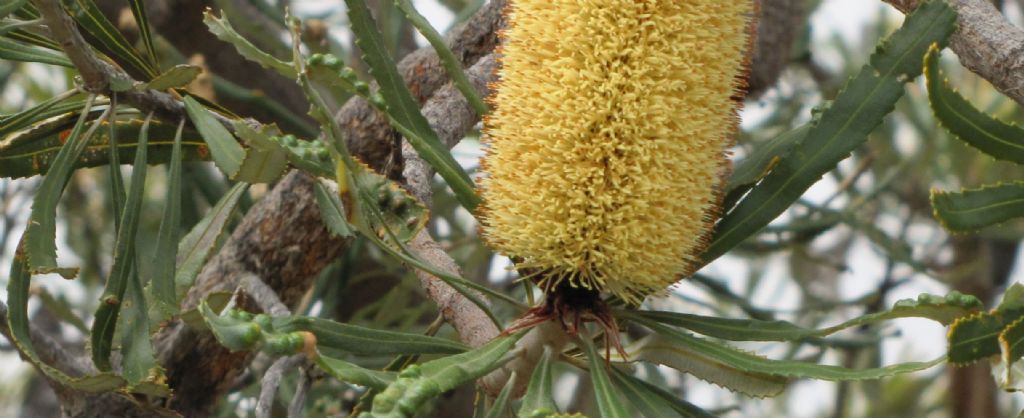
{"points": [[1001, 140], [654, 402], [40, 240], [226, 151], [177, 76], [842, 127], [974, 338], [61, 103], [17, 51], [351, 373], [21, 336], [972, 209], [33, 151], [265, 160], [609, 402], [332, 211], [222, 29], [204, 239], [10, 7], [162, 288], [142, 21], [539, 398], [943, 310], [759, 163], [122, 272], [91, 19], [403, 107], [1011, 341], [452, 371], [500, 406], [451, 64], [671, 347], [366, 341]]}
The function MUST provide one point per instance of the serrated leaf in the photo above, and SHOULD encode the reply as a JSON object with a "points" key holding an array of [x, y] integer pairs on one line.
{"points": [[204, 239], [227, 152], [351, 373], [972, 209], [539, 398], [974, 338], [91, 19], [671, 348], [608, 401], [332, 211], [34, 150], [41, 233], [1011, 341], [17, 51], [842, 127], [358, 340], [18, 322], [404, 108], [177, 76], [1001, 140], [122, 272], [943, 310], [221, 28], [712, 369], [265, 160], [654, 402]]}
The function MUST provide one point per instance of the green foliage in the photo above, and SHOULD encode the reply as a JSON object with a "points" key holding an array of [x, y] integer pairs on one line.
{"points": [[842, 126]]}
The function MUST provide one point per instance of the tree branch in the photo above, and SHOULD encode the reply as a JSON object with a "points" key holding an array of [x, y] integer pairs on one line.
{"points": [[97, 74], [986, 43]]}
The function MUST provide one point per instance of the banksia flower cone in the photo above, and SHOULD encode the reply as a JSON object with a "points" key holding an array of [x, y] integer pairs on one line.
{"points": [[608, 137]]}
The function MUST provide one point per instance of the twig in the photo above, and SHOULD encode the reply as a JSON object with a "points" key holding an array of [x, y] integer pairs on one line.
{"points": [[263, 295], [97, 74], [986, 43], [271, 381], [298, 403]]}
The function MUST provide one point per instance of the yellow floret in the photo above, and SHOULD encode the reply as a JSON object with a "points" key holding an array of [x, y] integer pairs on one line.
{"points": [[607, 140]]}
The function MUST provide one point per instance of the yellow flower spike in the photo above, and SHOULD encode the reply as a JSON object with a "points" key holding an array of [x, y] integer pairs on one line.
{"points": [[607, 143]]}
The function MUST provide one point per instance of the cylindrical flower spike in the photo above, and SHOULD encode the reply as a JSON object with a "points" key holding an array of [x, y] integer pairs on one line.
{"points": [[607, 143]]}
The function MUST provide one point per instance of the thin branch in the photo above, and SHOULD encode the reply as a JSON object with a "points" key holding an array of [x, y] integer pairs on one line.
{"points": [[271, 381], [97, 75], [987, 44], [263, 295]]}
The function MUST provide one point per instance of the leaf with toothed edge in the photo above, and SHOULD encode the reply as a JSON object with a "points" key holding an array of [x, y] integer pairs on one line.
{"points": [[265, 160], [974, 338], [41, 233], [943, 310], [860, 106], [204, 239], [973, 209], [221, 28], [998, 139]]}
